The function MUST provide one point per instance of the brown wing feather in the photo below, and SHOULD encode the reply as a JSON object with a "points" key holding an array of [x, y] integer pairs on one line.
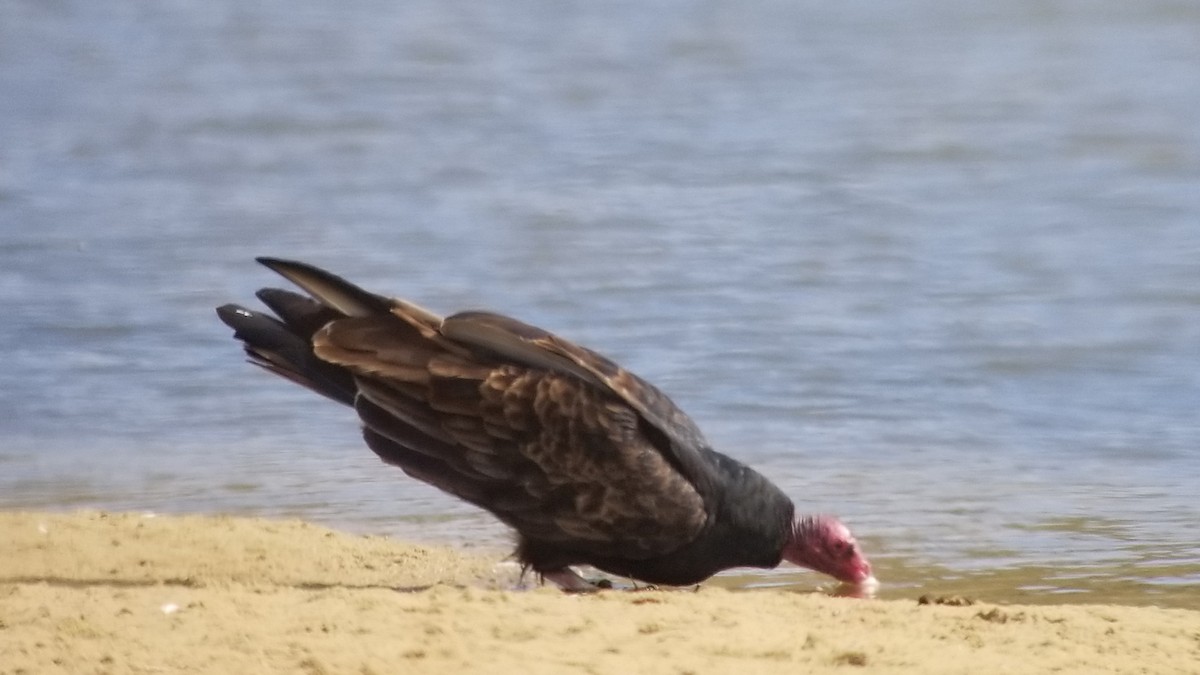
{"points": [[533, 346], [557, 457]]}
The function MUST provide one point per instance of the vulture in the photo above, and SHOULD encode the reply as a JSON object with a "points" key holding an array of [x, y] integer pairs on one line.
{"points": [[585, 461]]}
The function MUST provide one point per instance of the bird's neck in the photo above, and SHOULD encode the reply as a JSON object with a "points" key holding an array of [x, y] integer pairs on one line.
{"points": [[799, 547]]}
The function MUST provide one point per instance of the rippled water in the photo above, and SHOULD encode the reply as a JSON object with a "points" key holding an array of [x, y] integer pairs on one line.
{"points": [[935, 268]]}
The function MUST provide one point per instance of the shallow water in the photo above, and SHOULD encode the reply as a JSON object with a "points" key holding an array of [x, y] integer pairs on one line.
{"points": [[934, 269]]}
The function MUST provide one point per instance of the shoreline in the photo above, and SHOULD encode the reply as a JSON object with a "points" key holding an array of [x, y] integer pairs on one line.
{"points": [[141, 593]]}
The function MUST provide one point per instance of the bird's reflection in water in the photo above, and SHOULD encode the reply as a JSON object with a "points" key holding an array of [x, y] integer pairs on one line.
{"points": [[863, 591]]}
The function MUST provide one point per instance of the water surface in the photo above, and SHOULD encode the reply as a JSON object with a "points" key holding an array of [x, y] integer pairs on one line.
{"points": [[933, 268]]}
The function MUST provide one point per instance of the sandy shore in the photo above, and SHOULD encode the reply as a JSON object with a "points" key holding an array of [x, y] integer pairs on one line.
{"points": [[126, 593]]}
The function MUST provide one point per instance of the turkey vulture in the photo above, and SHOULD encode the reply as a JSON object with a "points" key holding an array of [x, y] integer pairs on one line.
{"points": [[586, 461]]}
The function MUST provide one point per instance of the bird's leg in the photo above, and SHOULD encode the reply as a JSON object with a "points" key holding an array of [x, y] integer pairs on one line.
{"points": [[569, 581]]}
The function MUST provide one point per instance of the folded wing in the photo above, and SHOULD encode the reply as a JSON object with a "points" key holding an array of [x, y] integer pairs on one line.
{"points": [[557, 441]]}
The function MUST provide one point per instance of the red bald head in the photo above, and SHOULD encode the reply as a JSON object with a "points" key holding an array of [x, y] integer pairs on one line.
{"points": [[824, 544]]}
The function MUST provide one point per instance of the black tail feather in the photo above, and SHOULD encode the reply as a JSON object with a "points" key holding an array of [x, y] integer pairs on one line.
{"points": [[303, 315], [278, 347], [332, 290]]}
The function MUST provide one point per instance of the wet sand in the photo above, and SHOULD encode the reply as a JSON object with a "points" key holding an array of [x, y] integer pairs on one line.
{"points": [[127, 593]]}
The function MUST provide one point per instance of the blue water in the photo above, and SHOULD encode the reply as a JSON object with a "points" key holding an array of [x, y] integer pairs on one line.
{"points": [[932, 267]]}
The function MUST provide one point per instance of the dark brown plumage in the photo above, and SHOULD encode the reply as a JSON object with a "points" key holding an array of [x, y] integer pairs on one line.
{"points": [[585, 461]]}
